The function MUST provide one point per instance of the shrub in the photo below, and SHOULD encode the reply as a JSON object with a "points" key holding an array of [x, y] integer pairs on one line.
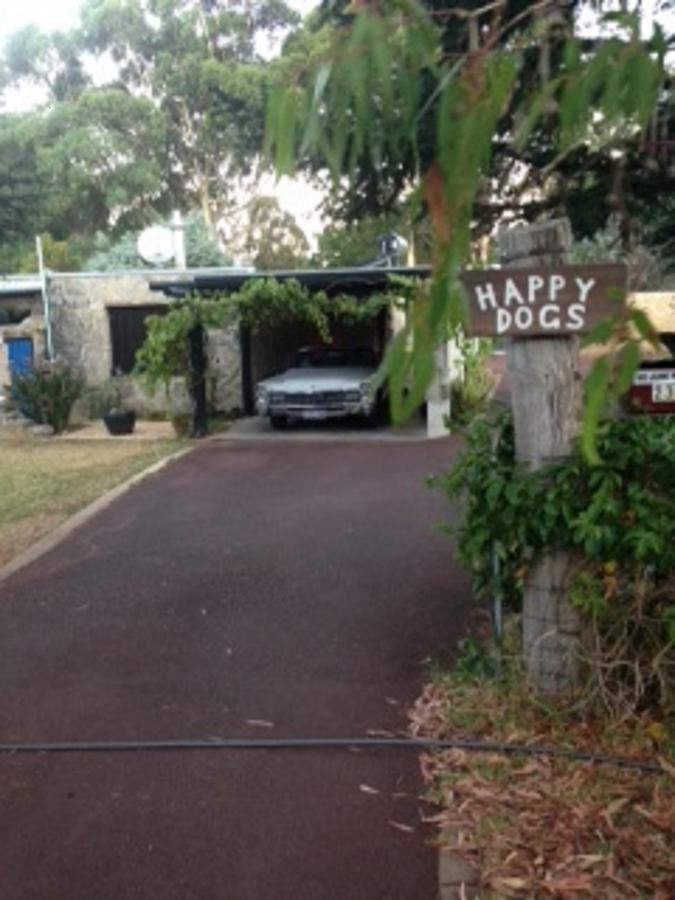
{"points": [[47, 395], [616, 519], [107, 397], [471, 394]]}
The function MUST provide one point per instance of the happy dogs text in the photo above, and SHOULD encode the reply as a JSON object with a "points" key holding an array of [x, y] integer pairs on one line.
{"points": [[529, 305], [561, 300]]}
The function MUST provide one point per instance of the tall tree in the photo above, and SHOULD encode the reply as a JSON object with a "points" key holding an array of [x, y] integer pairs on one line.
{"points": [[22, 183], [201, 250], [93, 163], [179, 122], [198, 61], [105, 156], [52, 62], [357, 243], [267, 235]]}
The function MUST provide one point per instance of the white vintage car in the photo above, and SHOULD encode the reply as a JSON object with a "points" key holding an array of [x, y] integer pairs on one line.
{"points": [[324, 383]]}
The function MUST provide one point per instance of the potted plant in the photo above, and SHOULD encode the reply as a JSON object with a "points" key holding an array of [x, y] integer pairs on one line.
{"points": [[178, 407], [181, 423], [117, 419]]}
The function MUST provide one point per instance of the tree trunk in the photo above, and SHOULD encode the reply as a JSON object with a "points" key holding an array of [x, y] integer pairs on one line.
{"points": [[205, 201]]}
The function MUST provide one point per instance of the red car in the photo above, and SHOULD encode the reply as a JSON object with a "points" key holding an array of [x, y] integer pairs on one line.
{"points": [[653, 388]]}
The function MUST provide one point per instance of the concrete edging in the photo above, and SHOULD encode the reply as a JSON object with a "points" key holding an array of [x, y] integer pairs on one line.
{"points": [[456, 878], [66, 528]]}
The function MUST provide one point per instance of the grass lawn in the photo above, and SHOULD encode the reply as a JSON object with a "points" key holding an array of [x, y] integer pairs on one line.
{"points": [[44, 481]]}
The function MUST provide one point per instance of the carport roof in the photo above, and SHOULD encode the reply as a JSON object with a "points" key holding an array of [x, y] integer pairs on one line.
{"points": [[18, 287], [359, 282]]}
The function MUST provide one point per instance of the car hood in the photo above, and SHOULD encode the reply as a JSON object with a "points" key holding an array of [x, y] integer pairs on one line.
{"points": [[324, 379]]}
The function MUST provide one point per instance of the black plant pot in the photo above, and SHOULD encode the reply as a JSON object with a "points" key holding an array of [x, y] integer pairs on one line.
{"points": [[120, 421]]}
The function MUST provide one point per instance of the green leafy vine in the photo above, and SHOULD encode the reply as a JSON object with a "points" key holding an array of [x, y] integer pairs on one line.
{"points": [[616, 521], [260, 303]]}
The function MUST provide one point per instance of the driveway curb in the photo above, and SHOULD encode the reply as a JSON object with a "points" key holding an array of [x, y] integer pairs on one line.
{"points": [[65, 529], [456, 878]]}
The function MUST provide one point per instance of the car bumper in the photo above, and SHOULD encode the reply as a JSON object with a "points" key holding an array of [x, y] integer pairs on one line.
{"points": [[314, 413], [653, 389]]}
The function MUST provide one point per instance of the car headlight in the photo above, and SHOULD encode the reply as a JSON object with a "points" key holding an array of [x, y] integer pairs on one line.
{"points": [[366, 389], [261, 398]]}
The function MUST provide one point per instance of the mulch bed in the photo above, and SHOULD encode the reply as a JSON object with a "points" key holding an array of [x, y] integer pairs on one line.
{"points": [[541, 827]]}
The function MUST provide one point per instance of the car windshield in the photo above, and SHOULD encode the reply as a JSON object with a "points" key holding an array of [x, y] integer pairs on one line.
{"points": [[330, 357]]}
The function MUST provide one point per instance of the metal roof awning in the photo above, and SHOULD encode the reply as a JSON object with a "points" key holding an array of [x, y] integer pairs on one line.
{"points": [[359, 282], [20, 287]]}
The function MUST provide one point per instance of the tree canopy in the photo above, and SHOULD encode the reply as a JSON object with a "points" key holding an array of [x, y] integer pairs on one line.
{"points": [[528, 180], [267, 237], [156, 104], [149, 105], [201, 250]]}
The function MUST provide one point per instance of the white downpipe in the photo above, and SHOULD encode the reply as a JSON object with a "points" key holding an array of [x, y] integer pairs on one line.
{"points": [[46, 304]]}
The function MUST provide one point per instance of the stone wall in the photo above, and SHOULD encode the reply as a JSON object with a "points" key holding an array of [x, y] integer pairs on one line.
{"points": [[81, 335]]}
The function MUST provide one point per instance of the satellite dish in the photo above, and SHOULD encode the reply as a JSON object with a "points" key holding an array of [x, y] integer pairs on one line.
{"points": [[155, 245]]}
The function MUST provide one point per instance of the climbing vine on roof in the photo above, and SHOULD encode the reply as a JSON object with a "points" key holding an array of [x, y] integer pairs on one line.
{"points": [[260, 303], [268, 302]]}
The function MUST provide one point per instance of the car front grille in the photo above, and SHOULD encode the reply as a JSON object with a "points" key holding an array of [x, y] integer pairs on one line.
{"points": [[321, 398]]}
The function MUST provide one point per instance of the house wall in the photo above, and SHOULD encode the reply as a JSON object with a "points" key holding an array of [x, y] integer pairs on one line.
{"points": [[81, 336]]}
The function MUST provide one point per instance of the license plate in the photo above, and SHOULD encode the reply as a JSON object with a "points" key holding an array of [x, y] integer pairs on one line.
{"points": [[663, 393], [314, 414]]}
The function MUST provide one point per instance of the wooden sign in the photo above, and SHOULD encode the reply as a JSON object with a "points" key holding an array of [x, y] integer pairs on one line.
{"points": [[542, 243], [542, 301]]}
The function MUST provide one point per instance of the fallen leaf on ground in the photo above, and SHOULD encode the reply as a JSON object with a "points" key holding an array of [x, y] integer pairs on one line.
{"points": [[509, 884], [545, 827], [567, 885], [401, 827], [367, 789]]}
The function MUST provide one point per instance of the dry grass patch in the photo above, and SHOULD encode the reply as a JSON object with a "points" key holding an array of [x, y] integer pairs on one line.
{"points": [[43, 481]]}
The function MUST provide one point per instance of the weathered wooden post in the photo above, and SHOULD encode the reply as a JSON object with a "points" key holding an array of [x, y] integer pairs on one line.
{"points": [[542, 305], [546, 402], [197, 382]]}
